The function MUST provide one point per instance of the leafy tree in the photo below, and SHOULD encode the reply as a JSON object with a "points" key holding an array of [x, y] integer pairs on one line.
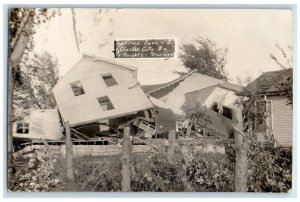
{"points": [[204, 56], [285, 87], [39, 74], [22, 23]]}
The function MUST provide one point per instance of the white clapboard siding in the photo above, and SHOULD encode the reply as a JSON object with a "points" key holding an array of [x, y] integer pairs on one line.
{"points": [[282, 121]]}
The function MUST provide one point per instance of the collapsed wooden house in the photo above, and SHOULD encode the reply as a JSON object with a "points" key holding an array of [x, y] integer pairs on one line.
{"points": [[98, 97], [97, 92], [195, 93], [217, 103], [39, 124], [96, 89], [173, 92]]}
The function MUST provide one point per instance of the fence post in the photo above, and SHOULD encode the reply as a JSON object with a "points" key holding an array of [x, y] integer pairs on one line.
{"points": [[69, 153], [126, 151], [171, 148], [240, 145]]}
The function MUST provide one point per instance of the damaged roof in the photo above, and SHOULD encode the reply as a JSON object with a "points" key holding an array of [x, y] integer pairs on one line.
{"points": [[268, 81], [231, 86], [159, 90], [166, 87]]}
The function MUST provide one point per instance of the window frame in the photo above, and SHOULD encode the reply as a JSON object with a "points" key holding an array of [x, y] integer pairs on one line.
{"points": [[109, 100], [81, 87], [113, 78], [23, 126]]}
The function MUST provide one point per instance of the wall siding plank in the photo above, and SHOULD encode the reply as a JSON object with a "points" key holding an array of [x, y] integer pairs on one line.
{"points": [[282, 121]]}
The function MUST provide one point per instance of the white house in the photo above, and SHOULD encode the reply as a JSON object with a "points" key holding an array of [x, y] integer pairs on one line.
{"points": [[96, 89], [277, 113], [173, 92], [39, 124]]}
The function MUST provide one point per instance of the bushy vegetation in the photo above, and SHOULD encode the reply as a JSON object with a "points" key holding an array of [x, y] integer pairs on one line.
{"points": [[36, 174], [269, 167], [269, 170], [191, 170]]}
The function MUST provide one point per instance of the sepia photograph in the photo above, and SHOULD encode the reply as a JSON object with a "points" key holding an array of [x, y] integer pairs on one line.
{"points": [[150, 99]]}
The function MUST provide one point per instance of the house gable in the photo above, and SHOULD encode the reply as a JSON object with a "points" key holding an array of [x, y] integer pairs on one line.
{"points": [[194, 82], [224, 99], [90, 63]]}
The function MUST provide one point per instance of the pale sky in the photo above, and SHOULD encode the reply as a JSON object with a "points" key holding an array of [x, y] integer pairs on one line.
{"points": [[249, 35]]}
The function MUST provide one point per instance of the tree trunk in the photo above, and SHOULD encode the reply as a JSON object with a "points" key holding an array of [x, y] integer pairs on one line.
{"points": [[18, 46], [240, 143], [126, 151], [25, 19]]}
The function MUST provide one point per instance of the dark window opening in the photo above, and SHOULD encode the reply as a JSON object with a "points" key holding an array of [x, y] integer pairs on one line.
{"points": [[23, 128], [227, 112], [215, 108], [77, 88], [109, 80], [105, 103]]}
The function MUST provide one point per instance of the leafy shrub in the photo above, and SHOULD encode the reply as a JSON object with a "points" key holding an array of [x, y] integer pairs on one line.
{"points": [[269, 170], [36, 174], [269, 167]]}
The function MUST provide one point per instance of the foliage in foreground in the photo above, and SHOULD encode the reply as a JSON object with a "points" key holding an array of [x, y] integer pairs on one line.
{"points": [[269, 167], [35, 173], [269, 170]]}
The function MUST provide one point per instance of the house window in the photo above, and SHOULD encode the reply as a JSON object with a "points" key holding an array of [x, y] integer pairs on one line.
{"points": [[77, 88], [105, 103], [22, 128], [109, 80], [227, 112]]}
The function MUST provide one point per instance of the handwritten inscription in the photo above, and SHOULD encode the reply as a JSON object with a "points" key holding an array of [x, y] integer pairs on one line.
{"points": [[154, 48]]}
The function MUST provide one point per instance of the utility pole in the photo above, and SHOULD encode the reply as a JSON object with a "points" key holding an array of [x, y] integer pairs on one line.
{"points": [[240, 145], [126, 152], [69, 153], [171, 147]]}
